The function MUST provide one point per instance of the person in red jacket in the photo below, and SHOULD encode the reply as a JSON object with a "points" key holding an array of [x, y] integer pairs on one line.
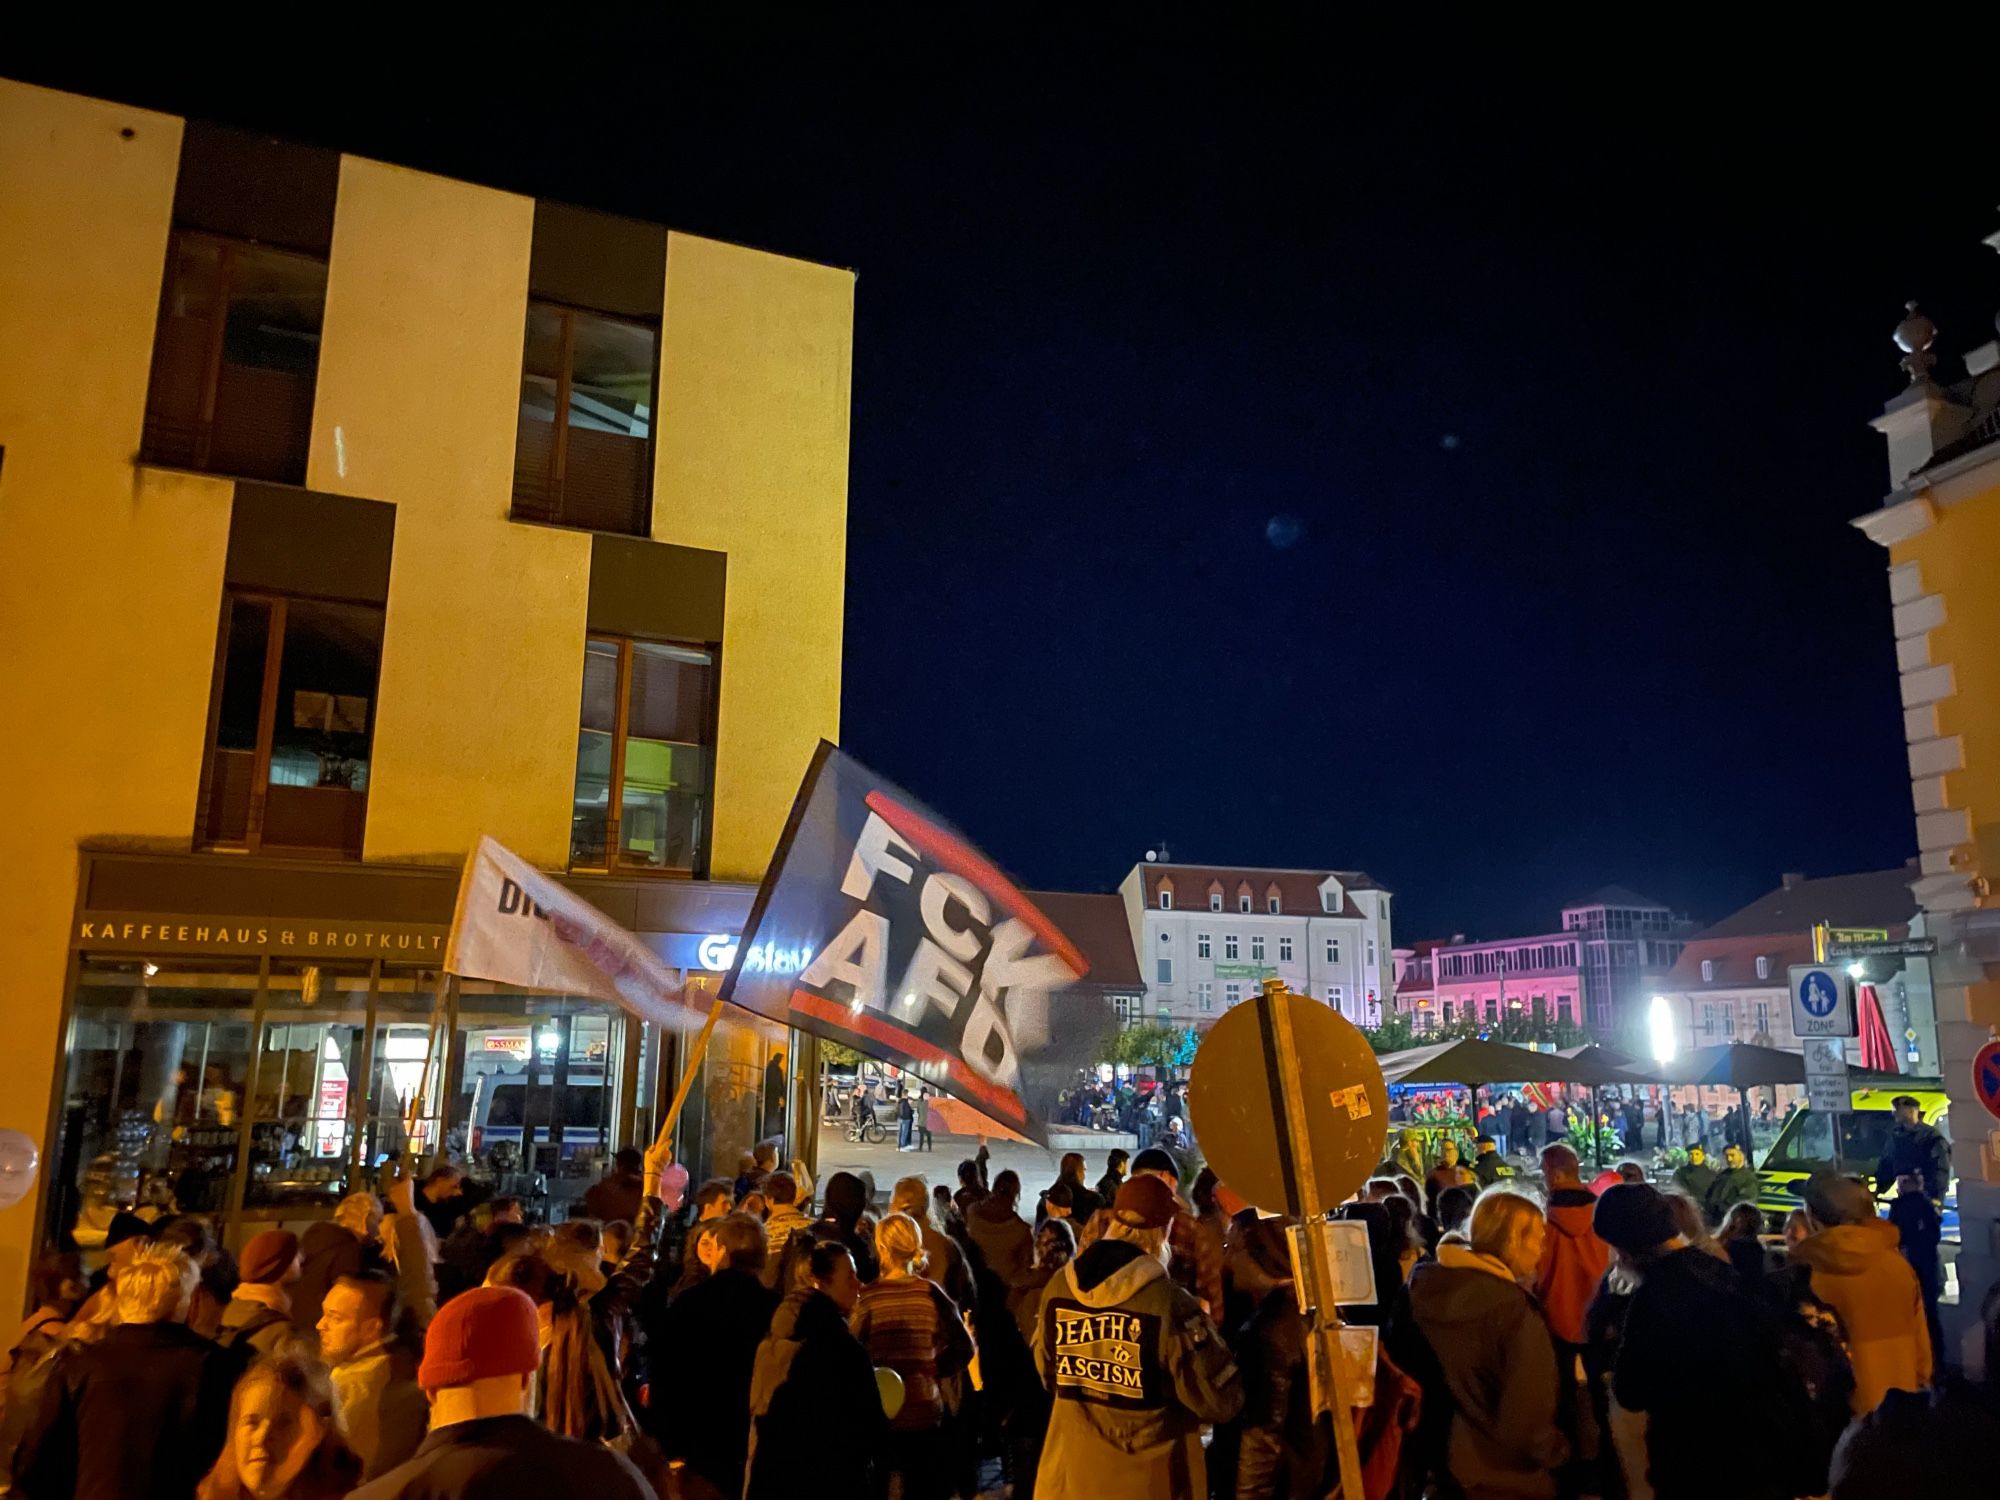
{"points": [[1573, 1257]]}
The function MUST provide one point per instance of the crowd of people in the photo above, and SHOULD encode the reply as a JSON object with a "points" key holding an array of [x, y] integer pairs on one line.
{"points": [[1110, 1340]]}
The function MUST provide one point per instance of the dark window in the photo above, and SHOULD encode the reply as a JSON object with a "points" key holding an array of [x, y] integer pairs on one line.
{"points": [[644, 757], [235, 359], [291, 724], [584, 455]]}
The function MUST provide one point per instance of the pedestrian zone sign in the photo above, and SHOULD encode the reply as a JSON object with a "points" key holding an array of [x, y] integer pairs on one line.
{"points": [[1822, 1001]]}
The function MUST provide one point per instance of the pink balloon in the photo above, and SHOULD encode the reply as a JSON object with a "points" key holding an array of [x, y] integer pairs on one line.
{"points": [[673, 1186]]}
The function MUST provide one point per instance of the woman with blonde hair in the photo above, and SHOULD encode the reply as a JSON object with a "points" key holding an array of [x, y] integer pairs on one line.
{"points": [[908, 1324], [284, 1439]]}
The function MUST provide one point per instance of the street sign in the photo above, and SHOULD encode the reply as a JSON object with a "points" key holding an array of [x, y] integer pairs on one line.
{"points": [[1346, 1250], [1827, 1089], [1917, 947], [1986, 1077], [1289, 1103], [1822, 1001], [1857, 935], [1237, 1102]]}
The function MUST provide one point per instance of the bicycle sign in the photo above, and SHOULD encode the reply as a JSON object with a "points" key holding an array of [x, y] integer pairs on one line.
{"points": [[1822, 1001]]}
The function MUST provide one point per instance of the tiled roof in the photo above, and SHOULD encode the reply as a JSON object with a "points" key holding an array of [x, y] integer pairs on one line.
{"points": [[1733, 961], [1298, 890], [1878, 898], [1097, 925]]}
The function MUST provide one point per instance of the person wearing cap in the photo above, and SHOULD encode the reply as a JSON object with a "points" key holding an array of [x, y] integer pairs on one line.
{"points": [[259, 1315], [480, 1353], [1487, 1167], [1197, 1260], [1858, 1270], [1914, 1147], [1694, 1344], [1493, 1351], [1135, 1366]]}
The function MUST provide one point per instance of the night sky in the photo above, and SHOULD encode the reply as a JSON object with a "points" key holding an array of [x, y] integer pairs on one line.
{"points": [[1267, 447]]}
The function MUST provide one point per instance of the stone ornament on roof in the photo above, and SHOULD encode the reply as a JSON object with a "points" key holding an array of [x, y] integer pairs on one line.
{"points": [[1914, 336]]}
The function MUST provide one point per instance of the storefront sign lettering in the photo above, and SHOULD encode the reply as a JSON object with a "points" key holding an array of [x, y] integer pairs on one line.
{"points": [[181, 934]]}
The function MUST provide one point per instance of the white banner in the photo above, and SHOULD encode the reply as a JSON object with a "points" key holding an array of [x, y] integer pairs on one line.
{"points": [[518, 926]]}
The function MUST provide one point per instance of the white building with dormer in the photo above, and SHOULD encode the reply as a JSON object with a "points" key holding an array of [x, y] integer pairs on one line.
{"points": [[1208, 936]]}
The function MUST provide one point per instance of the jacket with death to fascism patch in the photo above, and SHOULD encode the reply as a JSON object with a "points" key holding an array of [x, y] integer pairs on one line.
{"points": [[1136, 1370]]}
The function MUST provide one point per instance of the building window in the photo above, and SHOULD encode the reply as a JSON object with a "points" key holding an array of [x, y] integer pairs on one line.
{"points": [[1371, 951], [1707, 970], [1336, 996], [235, 359], [1166, 971], [644, 757], [1763, 1012], [1243, 902], [1201, 945], [1333, 950], [1329, 901], [1284, 950], [1444, 1007], [1229, 948], [1257, 949], [583, 454], [1166, 900], [291, 725], [1763, 968], [1215, 901], [1271, 905], [1204, 997], [1231, 993]]}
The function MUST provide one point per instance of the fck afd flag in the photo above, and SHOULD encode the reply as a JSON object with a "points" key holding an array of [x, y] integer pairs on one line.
{"points": [[880, 927], [518, 926]]}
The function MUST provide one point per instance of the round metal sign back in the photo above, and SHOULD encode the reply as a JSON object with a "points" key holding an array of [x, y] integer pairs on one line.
{"points": [[1238, 1110]]}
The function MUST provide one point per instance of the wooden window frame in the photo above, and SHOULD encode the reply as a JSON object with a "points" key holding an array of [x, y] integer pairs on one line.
{"points": [[621, 718], [227, 247], [267, 725], [565, 383]]}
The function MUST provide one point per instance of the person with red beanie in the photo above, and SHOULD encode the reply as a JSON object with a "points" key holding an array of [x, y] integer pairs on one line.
{"points": [[259, 1314], [479, 1354]]}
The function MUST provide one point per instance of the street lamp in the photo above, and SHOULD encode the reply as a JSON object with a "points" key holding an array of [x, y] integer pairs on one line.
{"points": [[1660, 1030]]}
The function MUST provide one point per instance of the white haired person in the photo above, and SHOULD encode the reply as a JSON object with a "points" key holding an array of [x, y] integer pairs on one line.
{"points": [[1494, 1352], [140, 1414], [1134, 1364]]}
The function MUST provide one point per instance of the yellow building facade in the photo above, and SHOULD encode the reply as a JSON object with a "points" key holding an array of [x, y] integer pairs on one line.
{"points": [[1940, 524], [353, 513]]}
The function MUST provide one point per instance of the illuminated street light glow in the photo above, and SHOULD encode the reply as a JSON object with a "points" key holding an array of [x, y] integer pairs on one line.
{"points": [[1660, 1029]]}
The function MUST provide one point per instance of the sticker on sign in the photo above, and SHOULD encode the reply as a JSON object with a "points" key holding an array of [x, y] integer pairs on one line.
{"points": [[1354, 1100], [1346, 1242]]}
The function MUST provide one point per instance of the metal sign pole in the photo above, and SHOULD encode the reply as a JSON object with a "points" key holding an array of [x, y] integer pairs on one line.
{"points": [[1304, 1191]]}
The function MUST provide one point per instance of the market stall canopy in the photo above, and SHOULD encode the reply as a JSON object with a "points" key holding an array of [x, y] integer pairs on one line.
{"points": [[1474, 1064], [1610, 1057], [1735, 1065]]}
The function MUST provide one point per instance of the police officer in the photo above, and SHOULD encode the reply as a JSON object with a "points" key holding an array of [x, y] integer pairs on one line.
{"points": [[1914, 1147]]}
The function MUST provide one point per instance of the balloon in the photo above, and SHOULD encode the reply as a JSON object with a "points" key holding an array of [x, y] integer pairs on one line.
{"points": [[673, 1186], [889, 1386], [18, 1161]]}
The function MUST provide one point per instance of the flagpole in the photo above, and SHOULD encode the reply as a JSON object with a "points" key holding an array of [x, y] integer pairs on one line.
{"points": [[695, 1055]]}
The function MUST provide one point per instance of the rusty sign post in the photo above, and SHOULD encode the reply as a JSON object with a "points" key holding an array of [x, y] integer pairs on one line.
{"points": [[1290, 1108]]}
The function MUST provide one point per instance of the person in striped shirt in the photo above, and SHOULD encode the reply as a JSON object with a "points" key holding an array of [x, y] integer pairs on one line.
{"points": [[908, 1324]]}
